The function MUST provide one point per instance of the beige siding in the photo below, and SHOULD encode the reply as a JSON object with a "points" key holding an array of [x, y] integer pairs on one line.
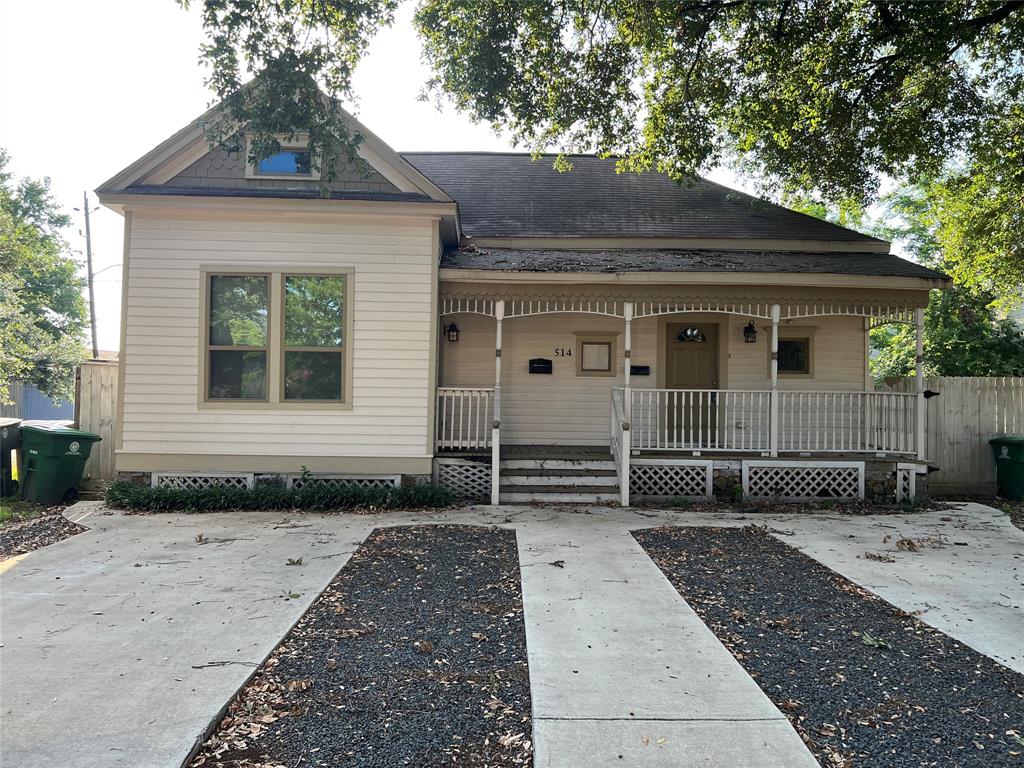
{"points": [[564, 408], [392, 261]]}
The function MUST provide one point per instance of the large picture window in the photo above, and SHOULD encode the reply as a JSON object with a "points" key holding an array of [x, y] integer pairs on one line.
{"points": [[276, 339], [237, 337], [314, 337]]}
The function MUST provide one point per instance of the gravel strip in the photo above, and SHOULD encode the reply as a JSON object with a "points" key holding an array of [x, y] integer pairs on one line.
{"points": [[19, 538], [864, 683], [414, 655]]}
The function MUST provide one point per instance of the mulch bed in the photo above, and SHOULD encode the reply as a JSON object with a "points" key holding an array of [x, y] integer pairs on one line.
{"points": [[414, 655], [864, 683], [19, 538]]}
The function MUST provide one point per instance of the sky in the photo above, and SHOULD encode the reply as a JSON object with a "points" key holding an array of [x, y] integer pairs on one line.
{"points": [[86, 88]]}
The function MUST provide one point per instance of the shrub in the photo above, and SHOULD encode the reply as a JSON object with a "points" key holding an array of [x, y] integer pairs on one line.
{"points": [[312, 497]]}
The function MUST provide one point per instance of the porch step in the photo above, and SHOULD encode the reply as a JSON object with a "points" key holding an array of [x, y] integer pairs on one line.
{"points": [[560, 494], [559, 464], [560, 477]]}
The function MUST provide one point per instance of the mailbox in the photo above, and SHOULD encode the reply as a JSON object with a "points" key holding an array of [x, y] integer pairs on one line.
{"points": [[540, 365]]}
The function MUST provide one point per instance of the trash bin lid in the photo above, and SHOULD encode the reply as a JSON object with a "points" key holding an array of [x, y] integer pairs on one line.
{"points": [[1001, 440], [6, 421], [58, 430]]}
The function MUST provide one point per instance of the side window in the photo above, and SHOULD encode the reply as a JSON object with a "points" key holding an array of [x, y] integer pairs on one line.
{"points": [[236, 337], [314, 337]]}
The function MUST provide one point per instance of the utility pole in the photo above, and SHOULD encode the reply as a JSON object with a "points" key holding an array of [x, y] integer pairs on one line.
{"points": [[88, 263]]}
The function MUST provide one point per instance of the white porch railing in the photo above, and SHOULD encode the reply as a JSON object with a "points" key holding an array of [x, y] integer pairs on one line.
{"points": [[706, 420], [700, 420], [847, 422], [464, 418], [619, 430]]}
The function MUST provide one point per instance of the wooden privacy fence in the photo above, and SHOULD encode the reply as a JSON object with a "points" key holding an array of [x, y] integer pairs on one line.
{"points": [[96, 411], [968, 412]]}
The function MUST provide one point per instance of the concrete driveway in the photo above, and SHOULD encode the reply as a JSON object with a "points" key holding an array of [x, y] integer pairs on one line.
{"points": [[119, 646]]}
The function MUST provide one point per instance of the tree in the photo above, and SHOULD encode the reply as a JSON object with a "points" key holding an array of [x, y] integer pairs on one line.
{"points": [[42, 311], [806, 95], [965, 333], [963, 336]]}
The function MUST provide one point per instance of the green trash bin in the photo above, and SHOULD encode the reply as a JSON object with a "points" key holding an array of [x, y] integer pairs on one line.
{"points": [[52, 461], [1009, 453]]}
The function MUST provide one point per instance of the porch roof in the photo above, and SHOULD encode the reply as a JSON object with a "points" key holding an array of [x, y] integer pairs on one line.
{"points": [[676, 260]]}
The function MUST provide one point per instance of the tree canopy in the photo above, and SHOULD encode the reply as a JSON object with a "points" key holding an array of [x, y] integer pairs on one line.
{"points": [[42, 311], [807, 96]]}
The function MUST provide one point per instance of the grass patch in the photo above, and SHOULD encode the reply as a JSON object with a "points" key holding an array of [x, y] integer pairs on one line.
{"points": [[310, 497]]}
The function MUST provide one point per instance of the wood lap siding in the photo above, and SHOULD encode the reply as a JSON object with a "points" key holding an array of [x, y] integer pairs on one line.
{"points": [[392, 260]]}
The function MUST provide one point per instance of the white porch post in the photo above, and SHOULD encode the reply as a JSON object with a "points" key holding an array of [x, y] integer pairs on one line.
{"points": [[919, 380], [773, 397], [499, 315], [626, 443]]}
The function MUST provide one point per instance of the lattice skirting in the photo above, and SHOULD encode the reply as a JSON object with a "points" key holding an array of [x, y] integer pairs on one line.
{"points": [[196, 480], [296, 482], [803, 481], [671, 478], [465, 479], [906, 482]]}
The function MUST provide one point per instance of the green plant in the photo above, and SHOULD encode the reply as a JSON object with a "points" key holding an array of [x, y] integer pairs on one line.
{"points": [[311, 497]]}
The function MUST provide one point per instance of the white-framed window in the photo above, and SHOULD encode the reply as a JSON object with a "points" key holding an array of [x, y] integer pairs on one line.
{"points": [[294, 160], [281, 338]]}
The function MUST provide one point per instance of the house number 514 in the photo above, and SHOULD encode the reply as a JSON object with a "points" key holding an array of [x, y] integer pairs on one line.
{"points": [[563, 352]]}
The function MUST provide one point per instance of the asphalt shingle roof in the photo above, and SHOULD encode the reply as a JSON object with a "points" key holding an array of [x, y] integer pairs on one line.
{"points": [[512, 195], [596, 261]]}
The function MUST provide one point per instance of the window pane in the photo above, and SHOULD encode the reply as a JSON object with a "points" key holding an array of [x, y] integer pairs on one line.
{"points": [[596, 356], [289, 162], [238, 375], [312, 375], [238, 310], [794, 356], [314, 311]]}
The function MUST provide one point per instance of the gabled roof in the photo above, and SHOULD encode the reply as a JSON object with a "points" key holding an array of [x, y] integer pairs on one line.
{"points": [[189, 144], [623, 261], [511, 195]]}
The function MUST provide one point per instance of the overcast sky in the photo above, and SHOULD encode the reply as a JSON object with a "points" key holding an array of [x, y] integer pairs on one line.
{"points": [[86, 88]]}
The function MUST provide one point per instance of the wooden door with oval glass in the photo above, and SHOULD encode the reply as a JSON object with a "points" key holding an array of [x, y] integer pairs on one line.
{"points": [[691, 364]]}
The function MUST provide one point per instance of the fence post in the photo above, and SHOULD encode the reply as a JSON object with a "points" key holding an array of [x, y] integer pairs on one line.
{"points": [[919, 380], [773, 396], [499, 315]]}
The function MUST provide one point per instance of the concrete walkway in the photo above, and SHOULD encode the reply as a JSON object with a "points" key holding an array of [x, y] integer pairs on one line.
{"points": [[623, 672], [119, 646]]}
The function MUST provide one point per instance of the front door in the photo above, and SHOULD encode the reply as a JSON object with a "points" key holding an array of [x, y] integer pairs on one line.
{"points": [[691, 363]]}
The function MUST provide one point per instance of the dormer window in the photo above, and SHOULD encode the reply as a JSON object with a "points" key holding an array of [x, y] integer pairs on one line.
{"points": [[293, 161]]}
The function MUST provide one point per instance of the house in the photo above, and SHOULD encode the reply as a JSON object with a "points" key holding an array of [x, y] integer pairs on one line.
{"points": [[512, 331]]}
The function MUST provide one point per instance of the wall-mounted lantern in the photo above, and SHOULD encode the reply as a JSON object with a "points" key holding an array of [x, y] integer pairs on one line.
{"points": [[750, 333], [452, 332]]}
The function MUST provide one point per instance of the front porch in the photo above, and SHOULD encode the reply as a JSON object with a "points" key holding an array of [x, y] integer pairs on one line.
{"points": [[713, 404]]}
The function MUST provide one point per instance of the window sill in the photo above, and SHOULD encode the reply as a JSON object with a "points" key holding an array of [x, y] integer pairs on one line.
{"points": [[263, 405]]}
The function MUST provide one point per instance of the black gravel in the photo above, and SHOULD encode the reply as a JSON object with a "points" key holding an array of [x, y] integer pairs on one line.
{"points": [[864, 683], [414, 655], [19, 538]]}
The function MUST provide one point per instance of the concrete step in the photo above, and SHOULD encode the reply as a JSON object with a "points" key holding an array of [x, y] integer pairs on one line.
{"points": [[558, 464], [586, 494], [565, 477]]}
